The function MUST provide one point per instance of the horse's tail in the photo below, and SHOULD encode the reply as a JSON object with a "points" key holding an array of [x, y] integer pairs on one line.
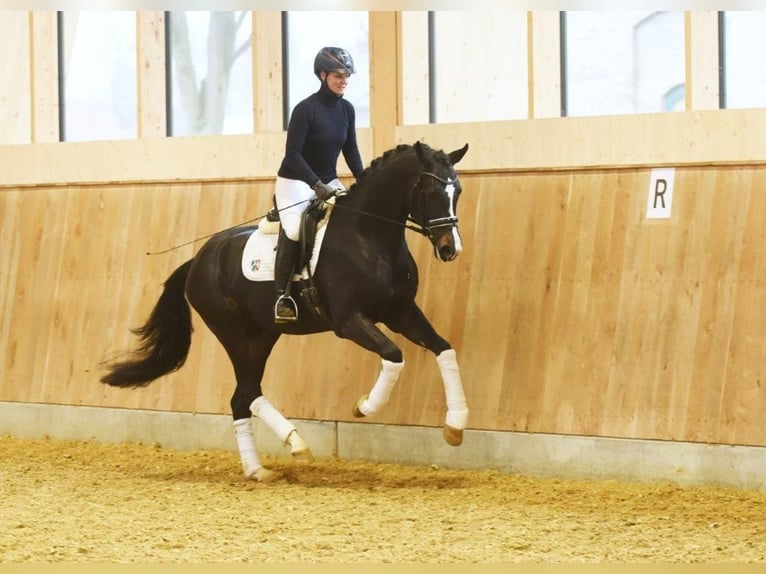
{"points": [[165, 338]]}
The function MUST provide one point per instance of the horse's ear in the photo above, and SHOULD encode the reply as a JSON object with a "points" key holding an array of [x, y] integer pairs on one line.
{"points": [[419, 151], [457, 155]]}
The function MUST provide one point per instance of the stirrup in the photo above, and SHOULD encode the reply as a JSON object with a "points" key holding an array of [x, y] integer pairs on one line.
{"points": [[285, 299]]}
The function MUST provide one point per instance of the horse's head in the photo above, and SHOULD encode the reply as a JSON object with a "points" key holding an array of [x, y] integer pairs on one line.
{"points": [[434, 199]]}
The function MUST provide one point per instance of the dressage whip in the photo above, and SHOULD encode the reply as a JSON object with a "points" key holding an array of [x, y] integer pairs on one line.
{"points": [[209, 235]]}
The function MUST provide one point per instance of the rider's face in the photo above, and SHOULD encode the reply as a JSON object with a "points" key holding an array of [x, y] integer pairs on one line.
{"points": [[337, 82]]}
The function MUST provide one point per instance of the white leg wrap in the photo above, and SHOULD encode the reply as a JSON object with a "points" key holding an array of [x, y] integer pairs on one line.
{"points": [[381, 392], [279, 425], [457, 408], [243, 430]]}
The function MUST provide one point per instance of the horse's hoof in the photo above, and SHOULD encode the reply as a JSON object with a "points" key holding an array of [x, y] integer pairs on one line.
{"points": [[453, 436], [303, 456], [298, 447], [264, 475], [358, 408]]}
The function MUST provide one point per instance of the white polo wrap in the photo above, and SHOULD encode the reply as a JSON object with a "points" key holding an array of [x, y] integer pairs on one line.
{"points": [[279, 425], [457, 408], [381, 391], [243, 431]]}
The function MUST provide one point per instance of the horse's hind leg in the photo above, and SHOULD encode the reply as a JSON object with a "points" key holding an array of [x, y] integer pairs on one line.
{"points": [[248, 355], [282, 428]]}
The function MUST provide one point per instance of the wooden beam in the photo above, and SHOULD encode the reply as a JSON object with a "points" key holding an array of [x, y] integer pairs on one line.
{"points": [[544, 46], [702, 78], [385, 85], [414, 66], [267, 72], [15, 114], [150, 68], [43, 60]]}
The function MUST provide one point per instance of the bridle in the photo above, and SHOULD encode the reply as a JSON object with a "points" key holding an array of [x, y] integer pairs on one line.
{"points": [[428, 226]]}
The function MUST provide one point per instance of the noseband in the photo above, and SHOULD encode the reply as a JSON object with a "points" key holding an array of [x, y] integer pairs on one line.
{"points": [[428, 226]]}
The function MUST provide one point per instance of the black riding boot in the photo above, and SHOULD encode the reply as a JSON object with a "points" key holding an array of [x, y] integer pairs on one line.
{"points": [[285, 309]]}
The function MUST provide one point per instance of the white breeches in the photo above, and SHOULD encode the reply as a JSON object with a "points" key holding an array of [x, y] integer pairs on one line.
{"points": [[293, 197]]}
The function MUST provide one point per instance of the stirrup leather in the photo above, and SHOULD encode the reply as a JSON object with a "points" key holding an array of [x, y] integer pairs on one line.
{"points": [[284, 301]]}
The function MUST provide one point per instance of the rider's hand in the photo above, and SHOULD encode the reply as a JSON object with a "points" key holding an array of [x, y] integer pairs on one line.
{"points": [[323, 191]]}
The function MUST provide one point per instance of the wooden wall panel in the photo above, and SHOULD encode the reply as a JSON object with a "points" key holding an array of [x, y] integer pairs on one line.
{"points": [[571, 313]]}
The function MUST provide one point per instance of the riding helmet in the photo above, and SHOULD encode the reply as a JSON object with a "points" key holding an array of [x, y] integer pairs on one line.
{"points": [[331, 59]]}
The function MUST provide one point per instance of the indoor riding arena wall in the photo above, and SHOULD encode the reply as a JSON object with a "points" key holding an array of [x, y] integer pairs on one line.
{"points": [[592, 340]]}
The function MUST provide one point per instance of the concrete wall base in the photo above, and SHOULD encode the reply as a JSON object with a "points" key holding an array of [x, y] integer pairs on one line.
{"points": [[541, 455]]}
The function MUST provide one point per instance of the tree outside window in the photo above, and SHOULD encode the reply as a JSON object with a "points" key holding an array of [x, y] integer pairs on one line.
{"points": [[211, 73]]}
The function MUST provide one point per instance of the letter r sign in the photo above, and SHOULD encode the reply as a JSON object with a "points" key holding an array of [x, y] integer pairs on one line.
{"points": [[660, 193]]}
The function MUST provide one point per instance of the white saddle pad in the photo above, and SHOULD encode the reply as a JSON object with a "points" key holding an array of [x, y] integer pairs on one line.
{"points": [[260, 252]]}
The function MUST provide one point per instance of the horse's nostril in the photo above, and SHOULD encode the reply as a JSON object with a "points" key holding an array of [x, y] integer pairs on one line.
{"points": [[446, 252]]}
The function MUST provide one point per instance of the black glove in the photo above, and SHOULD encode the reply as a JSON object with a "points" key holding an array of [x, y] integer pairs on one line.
{"points": [[323, 191]]}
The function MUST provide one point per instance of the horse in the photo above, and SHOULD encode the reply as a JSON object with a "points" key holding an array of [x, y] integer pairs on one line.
{"points": [[364, 275]]}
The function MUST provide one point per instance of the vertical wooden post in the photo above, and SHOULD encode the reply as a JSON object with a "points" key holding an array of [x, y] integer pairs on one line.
{"points": [[414, 67], [543, 37], [44, 66], [150, 69], [702, 80], [267, 72], [385, 79], [15, 78]]}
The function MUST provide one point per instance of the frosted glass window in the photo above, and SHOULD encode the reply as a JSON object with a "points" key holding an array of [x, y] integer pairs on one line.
{"points": [[744, 72], [211, 73], [307, 33], [624, 62], [99, 72], [481, 70]]}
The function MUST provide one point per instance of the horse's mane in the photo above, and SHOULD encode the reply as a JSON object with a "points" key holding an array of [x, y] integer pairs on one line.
{"points": [[381, 161]]}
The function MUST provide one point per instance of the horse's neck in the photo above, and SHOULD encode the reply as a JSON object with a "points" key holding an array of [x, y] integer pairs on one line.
{"points": [[373, 215], [387, 198]]}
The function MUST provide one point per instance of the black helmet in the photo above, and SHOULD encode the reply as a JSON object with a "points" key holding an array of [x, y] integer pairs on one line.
{"points": [[331, 59]]}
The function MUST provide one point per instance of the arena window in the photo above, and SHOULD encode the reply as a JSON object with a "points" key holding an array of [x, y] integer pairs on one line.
{"points": [[97, 75]]}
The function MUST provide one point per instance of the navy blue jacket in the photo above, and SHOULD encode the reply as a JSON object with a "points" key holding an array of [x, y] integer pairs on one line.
{"points": [[321, 126]]}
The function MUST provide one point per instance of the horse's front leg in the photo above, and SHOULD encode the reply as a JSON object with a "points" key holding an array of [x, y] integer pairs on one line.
{"points": [[457, 408], [418, 329], [363, 332], [381, 390]]}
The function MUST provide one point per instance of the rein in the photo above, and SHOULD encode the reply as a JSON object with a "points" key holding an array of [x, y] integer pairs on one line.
{"points": [[420, 229], [425, 229]]}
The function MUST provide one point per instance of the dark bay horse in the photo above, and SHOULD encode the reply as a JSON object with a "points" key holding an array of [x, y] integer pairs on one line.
{"points": [[365, 275]]}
